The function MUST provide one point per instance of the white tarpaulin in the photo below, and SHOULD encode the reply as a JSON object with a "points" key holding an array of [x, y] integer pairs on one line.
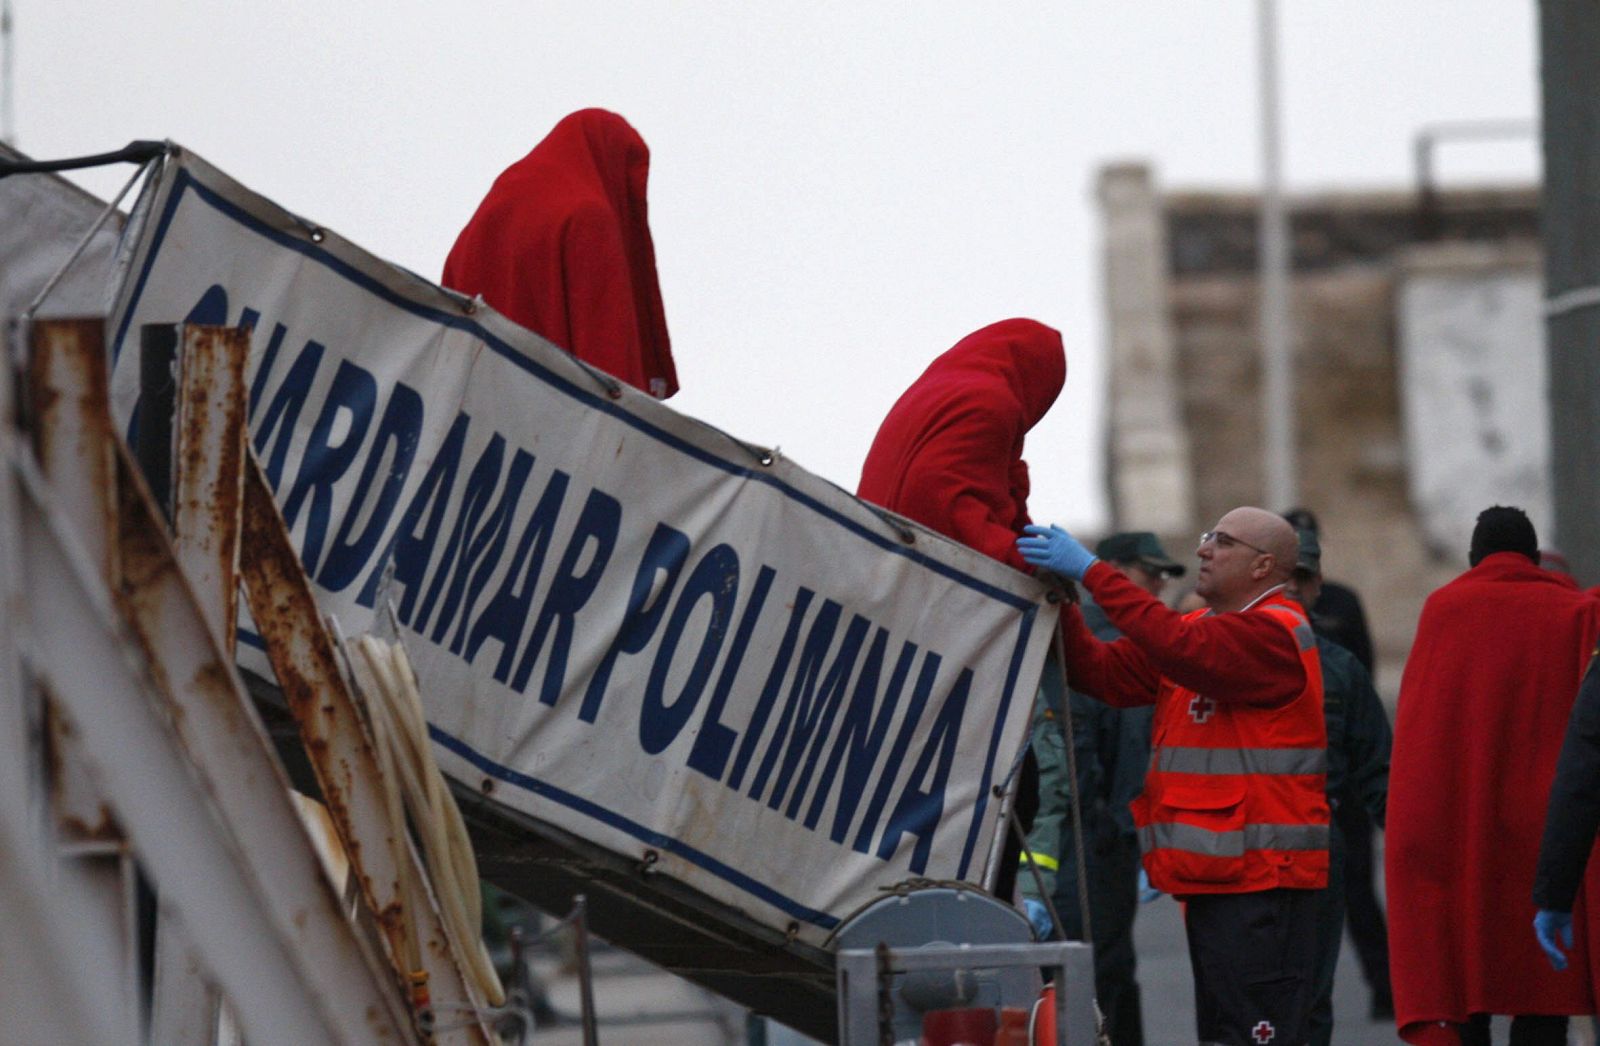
{"points": [[43, 218], [634, 627]]}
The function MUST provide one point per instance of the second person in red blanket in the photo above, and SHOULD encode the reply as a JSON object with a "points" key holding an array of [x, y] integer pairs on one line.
{"points": [[949, 453], [562, 246], [1233, 818], [949, 456]]}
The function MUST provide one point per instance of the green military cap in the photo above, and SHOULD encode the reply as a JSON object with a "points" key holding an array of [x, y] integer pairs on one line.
{"points": [[1309, 558], [1138, 546]]}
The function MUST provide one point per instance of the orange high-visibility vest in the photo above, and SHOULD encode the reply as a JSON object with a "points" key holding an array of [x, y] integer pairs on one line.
{"points": [[1235, 796]]}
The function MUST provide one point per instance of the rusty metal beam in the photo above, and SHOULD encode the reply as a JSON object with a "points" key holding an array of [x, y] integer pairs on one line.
{"points": [[305, 660], [208, 485], [175, 743]]}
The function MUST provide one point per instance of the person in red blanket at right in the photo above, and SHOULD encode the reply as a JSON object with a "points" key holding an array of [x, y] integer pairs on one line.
{"points": [[561, 245], [1484, 702], [949, 456]]}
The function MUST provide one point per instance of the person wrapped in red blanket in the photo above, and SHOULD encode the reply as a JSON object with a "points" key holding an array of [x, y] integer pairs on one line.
{"points": [[1484, 702], [949, 456], [561, 244], [949, 453]]}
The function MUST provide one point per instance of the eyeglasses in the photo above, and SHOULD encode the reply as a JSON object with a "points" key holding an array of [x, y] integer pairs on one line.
{"points": [[1227, 540]]}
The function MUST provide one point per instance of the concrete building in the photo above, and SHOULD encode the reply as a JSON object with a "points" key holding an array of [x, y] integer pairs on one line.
{"points": [[1418, 356]]}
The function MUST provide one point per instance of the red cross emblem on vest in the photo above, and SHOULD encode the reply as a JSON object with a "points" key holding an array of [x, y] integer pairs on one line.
{"points": [[1200, 709], [1263, 1032]]}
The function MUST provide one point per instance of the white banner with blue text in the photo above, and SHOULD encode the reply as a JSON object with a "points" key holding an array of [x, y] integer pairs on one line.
{"points": [[626, 624]]}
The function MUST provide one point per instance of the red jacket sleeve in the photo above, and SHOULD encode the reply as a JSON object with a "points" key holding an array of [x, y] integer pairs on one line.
{"points": [[1116, 673], [1246, 657]]}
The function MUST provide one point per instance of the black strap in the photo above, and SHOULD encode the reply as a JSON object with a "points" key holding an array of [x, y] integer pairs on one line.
{"points": [[133, 152]]}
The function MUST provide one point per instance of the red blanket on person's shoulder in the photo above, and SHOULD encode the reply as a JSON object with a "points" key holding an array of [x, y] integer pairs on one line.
{"points": [[561, 244], [949, 453], [1484, 702]]}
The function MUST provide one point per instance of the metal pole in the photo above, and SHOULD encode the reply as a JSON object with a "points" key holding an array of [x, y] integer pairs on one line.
{"points": [[8, 65], [580, 936], [1277, 376], [1569, 36]]}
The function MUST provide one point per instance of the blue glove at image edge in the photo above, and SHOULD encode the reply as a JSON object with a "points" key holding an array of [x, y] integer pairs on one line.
{"points": [[1548, 927]]}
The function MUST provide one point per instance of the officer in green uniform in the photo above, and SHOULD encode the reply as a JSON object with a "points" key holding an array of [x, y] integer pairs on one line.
{"points": [[1112, 749], [1358, 753]]}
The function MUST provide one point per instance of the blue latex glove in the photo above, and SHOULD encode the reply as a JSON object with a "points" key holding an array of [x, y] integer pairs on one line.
{"points": [[1550, 927], [1147, 893], [1053, 549], [1039, 916]]}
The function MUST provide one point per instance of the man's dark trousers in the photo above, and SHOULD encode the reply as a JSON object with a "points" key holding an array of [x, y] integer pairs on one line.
{"points": [[1254, 960], [1363, 912]]}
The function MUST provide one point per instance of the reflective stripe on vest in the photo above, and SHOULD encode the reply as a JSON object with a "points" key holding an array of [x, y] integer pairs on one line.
{"points": [[1175, 835], [1179, 760], [1045, 861], [1303, 634]]}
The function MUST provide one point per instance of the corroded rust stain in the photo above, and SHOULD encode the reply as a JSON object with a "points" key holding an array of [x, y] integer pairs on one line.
{"points": [[102, 828], [209, 501], [305, 662], [66, 352]]}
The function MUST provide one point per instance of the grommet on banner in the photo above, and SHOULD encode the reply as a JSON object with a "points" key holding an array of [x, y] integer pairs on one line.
{"points": [[318, 234], [906, 535], [609, 385]]}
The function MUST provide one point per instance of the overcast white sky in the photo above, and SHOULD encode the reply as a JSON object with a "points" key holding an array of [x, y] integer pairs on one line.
{"points": [[839, 191]]}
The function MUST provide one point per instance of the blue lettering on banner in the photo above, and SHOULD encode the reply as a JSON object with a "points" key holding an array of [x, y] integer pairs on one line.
{"points": [[715, 576], [769, 692], [890, 768], [324, 462], [821, 674], [482, 554], [600, 521], [861, 735], [810, 711], [399, 428], [474, 499], [410, 548], [269, 356], [284, 411], [714, 742], [824, 720], [665, 554], [920, 807], [508, 609]]}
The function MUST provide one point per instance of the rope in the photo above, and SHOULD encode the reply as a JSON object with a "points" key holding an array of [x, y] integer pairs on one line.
{"points": [[1077, 807], [401, 735], [139, 152], [1102, 1037], [1038, 880]]}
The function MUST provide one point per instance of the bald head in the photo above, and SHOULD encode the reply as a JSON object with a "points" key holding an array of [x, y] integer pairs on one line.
{"points": [[1251, 551], [1265, 530]]}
